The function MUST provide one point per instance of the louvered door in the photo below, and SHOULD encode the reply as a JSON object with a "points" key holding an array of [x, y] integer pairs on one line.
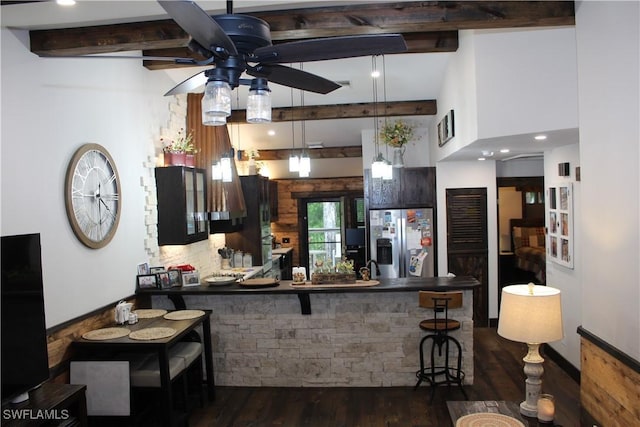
{"points": [[467, 243]]}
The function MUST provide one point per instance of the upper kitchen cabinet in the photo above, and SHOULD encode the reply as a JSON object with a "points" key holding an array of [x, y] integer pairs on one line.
{"points": [[182, 217], [409, 188]]}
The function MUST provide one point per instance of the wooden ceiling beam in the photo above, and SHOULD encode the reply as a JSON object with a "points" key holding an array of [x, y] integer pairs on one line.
{"points": [[296, 24], [316, 153], [426, 42], [344, 111]]}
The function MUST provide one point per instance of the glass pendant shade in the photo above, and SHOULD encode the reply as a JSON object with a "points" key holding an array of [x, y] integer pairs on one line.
{"points": [[216, 103], [216, 171], [378, 166], [305, 166], [294, 163], [387, 171], [225, 165], [259, 102]]}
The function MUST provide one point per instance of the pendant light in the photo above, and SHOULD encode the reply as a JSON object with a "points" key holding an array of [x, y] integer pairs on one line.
{"points": [[294, 160], [305, 160], [387, 172], [379, 163], [259, 102]]}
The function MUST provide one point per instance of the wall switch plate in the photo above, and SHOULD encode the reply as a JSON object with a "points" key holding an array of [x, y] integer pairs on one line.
{"points": [[285, 240]]}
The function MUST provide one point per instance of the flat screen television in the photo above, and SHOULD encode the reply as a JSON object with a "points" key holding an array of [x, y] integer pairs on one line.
{"points": [[24, 336]]}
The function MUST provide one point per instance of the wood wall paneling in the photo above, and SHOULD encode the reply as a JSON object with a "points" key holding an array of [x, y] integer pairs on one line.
{"points": [[290, 190], [609, 389]]}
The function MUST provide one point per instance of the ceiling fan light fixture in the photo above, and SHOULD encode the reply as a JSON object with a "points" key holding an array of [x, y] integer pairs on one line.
{"points": [[259, 102], [216, 103]]}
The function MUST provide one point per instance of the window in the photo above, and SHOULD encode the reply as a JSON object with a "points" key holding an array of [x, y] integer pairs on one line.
{"points": [[324, 229]]}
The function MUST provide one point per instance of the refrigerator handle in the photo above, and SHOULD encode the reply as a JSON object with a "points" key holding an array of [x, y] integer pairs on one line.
{"points": [[402, 250]]}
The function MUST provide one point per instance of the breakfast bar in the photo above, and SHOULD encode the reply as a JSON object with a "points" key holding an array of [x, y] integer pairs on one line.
{"points": [[350, 336]]}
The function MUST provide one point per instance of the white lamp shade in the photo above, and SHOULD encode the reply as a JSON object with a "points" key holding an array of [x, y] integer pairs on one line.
{"points": [[387, 171], [377, 169], [216, 172], [530, 314]]}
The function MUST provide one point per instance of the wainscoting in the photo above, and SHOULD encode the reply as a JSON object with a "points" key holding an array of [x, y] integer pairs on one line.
{"points": [[609, 383]]}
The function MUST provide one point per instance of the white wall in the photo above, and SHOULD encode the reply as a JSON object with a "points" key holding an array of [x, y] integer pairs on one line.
{"points": [[568, 280], [50, 107], [526, 80], [470, 175], [608, 51]]}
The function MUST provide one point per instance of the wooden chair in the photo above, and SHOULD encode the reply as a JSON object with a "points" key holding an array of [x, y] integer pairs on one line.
{"points": [[440, 372]]}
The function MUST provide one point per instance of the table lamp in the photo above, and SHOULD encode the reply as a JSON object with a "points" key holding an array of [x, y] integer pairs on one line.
{"points": [[533, 315]]}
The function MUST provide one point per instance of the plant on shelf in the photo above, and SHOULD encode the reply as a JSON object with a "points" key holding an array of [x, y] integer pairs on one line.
{"points": [[179, 151], [396, 134], [183, 143], [345, 266]]}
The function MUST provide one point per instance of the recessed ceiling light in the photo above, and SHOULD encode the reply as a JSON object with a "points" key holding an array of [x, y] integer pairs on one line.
{"points": [[540, 137], [66, 2], [481, 158], [375, 74], [504, 150], [487, 153], [271, 132]]}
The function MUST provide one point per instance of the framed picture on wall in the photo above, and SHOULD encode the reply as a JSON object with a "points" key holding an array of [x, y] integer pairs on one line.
{"points": [[560, 247]]}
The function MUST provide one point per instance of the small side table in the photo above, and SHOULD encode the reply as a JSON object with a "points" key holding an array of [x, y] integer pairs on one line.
{"points": [[65, 404], [461, 408]]}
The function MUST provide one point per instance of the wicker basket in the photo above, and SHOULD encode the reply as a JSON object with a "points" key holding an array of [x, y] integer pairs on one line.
{"points": [[333, 278]]}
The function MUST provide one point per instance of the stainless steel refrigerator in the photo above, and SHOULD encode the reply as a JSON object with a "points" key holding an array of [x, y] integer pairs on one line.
{"points": [[402, 241]]}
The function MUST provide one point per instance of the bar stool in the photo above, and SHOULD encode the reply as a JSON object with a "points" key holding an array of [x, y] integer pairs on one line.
{"points": [[440, 372]]}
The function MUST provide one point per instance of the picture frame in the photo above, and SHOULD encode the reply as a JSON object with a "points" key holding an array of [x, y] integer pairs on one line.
{"points": [[147, 281], [158, 269], [163, 280], [560, 230], [175, 278], [190, 278], [446, 128], [143, 268]]}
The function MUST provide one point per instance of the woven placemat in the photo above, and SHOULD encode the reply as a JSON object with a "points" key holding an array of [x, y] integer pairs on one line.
{"points": [[488, 419], [106, 334], [150, 313], [183, 314], [148, 334]]}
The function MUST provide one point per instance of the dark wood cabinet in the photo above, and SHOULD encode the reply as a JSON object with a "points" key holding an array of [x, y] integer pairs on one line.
{"points": [[255, 236], [273, 200], [409, 188], [181, 193]]}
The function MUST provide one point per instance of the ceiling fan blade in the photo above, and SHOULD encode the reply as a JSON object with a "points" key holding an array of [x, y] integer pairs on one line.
{"points": [[294, 78], [189, 85], [198, 24], [331, 48]]}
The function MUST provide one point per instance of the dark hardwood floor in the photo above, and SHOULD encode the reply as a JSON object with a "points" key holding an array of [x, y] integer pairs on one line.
{"points": [[498, 376]]}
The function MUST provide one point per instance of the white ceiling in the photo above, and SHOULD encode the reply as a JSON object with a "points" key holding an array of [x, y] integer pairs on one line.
{"points": [[408, 76]]}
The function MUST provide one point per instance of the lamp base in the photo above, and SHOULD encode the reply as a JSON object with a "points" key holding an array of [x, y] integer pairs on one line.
{"points": [[533, 369]]}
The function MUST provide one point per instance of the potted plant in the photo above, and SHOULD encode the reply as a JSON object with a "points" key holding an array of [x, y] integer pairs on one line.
{"points": [[179, 151], [397, 134]]}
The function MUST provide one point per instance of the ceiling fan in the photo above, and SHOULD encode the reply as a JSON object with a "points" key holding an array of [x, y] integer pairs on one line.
{"points": [[235, 44]]}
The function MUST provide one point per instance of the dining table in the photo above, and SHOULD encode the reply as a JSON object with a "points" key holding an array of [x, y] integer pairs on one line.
{"points": [[97, 344]]}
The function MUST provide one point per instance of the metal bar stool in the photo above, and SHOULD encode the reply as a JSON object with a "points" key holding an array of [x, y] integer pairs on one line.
{"points": [[440, 372]]}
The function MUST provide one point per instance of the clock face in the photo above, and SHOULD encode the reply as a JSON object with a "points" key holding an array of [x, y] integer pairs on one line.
{"points": [[92, 195]]}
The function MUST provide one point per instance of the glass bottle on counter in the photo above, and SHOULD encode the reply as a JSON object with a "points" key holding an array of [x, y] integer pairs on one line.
{"points": [[237, 259], [247, 260]]}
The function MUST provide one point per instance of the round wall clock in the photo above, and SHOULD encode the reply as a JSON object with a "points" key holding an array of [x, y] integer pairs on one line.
{"points": [[92, 195]]}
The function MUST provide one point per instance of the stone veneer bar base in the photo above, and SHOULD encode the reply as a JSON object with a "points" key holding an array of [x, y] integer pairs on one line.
{"points": [[350, 339]]}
